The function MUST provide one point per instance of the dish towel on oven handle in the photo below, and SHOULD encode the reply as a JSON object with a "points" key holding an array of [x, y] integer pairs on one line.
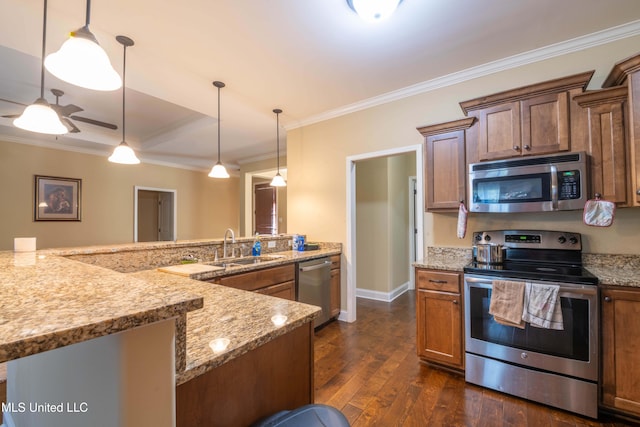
{"points": [[598, 212], [506, 302], [462, 220], [542, 306]]}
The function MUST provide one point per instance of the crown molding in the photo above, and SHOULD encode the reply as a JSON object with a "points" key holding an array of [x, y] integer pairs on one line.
{"points": [[609, 35]]}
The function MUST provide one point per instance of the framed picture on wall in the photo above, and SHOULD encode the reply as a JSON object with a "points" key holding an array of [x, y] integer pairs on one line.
{"points": [[57, 199]]}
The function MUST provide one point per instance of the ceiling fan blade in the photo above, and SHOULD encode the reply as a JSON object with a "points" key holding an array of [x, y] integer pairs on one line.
{"points": [[94, 122], [12, 102], [66, 110], [11, 116], [69, 124]]}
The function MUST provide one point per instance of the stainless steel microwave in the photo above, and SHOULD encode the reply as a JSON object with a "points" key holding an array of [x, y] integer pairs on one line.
{"points": [[529, 184]]}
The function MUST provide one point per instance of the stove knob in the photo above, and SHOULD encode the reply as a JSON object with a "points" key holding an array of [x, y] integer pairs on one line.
{"points": [[487, 238], [562, 239], [573, 240], [478, 237]]}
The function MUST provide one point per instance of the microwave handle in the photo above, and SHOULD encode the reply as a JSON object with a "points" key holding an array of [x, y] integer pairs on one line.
{"points": [[554, 187]]}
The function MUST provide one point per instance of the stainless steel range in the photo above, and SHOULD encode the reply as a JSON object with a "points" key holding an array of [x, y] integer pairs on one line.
{"points": [[555, 367]]}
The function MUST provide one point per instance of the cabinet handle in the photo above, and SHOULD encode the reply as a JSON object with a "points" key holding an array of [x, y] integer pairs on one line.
{"points": [[455, 301], [437, 281], [516, 148], [607, 299], [526, 147]]}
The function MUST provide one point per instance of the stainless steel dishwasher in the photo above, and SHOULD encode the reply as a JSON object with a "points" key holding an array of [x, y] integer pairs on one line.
{"points": [[313, 278]]}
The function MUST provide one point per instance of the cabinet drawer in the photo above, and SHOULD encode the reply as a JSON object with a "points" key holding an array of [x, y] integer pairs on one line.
{"points": [[438, 280], [335, 262], [254, 280]]}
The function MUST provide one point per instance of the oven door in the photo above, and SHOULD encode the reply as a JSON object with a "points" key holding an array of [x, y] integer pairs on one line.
{"points": [[572, 351]]}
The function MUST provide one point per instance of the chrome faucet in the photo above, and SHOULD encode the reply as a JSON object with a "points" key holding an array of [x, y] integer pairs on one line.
{"points": [[224, 244]]}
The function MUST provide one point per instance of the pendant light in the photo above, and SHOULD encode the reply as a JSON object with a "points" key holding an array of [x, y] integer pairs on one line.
{"points": [[82, 62], [374, 10], [218, 170], [39, 116], [278, 180], [123, 153]]}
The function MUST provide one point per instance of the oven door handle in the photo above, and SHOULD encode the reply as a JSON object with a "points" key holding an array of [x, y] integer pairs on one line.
{"points": [[566, 291], [554, 187]]}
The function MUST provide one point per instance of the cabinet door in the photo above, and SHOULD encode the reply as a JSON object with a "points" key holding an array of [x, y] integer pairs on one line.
{"points": [[439, 324], [634, 136], [607, 149], [285, 290], [545, 124], [621, 350], [335, 292], [499, 131], [446, 171]]}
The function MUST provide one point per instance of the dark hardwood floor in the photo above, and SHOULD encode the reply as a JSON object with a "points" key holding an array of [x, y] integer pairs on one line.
{"points": [[370, 371]]}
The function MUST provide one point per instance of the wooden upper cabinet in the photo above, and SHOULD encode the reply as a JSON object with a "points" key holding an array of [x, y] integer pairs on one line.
{"points": [[445, 164], [530, 120], [627, 73], [606, 143]]}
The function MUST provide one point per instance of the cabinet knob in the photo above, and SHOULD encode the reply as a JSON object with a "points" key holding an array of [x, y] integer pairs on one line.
{"points": [[516, 148], [607, 299], [527, 147], [638, 191], [455, 301]]}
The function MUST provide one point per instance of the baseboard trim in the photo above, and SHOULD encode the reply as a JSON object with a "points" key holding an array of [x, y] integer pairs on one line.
{"points": [[382, 296]]}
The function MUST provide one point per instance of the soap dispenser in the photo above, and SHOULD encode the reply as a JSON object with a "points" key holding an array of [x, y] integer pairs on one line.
{"points": [[257, 247]]}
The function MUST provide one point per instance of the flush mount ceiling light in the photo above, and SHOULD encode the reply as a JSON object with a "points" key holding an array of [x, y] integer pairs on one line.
{"points": [[124, 154], [218, 170], [39, 116], [374, 10], [278, 180], [82, 62]]}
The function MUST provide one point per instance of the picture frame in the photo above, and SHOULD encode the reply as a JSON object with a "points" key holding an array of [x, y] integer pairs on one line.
{"points": [[57, 198]]}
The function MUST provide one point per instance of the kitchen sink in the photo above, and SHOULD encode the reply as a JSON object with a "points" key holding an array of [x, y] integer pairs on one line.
{"points": [[236, 262]]}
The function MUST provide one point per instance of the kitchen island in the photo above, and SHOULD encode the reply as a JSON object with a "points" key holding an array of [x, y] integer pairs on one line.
{"points": [[269, 366]]}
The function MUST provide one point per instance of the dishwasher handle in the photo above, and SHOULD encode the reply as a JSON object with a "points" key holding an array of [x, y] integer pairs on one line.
{"points": [[315, 267]]}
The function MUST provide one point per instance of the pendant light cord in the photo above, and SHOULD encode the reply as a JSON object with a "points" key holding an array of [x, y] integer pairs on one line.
{"points": [[124, 73], [44, 43], [218, 124], [278, 141], [88, 17]]}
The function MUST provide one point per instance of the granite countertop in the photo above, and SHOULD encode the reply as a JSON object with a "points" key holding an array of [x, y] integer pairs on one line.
{"points": [[241, 316], [610, 269], [47, 302]]}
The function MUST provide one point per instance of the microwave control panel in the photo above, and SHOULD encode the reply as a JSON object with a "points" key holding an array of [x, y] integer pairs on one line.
{"points": [[569, 185]]}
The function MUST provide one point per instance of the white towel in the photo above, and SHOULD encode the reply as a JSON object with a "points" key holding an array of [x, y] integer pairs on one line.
{"points": [[542, 306]]}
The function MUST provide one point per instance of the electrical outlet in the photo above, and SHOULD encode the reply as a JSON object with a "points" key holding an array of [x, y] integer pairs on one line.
{"points": [[271, 244]]}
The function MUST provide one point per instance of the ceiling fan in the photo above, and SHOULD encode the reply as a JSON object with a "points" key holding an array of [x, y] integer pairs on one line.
{"points": [[65, 112]]}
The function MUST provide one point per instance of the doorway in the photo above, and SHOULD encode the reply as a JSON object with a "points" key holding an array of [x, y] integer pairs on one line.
{"points": [[265, 204], [155, 216], [350, 252]]}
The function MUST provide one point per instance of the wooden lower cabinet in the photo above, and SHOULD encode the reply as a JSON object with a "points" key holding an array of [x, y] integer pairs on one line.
{"points": [[335, 286], [276, 281], [274, 377], [439, 318], [621, 350]]}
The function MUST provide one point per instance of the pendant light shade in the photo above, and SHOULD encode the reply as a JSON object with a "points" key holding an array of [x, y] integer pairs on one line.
{"points": [[124, 154], [374, 10], [218, 170], [39, 116], [82, 62], [278, 180]]}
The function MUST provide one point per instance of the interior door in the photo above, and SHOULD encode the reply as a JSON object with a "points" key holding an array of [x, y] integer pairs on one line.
{"points": [[265, 209]]}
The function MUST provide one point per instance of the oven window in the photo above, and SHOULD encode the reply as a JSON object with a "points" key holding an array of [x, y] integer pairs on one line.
{"points": [[512, 189], [572, 342]]}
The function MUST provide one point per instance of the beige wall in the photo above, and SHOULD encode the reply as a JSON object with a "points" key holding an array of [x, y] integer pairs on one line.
{"points": [[317, 153], [400, 169], [206, 207]]}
